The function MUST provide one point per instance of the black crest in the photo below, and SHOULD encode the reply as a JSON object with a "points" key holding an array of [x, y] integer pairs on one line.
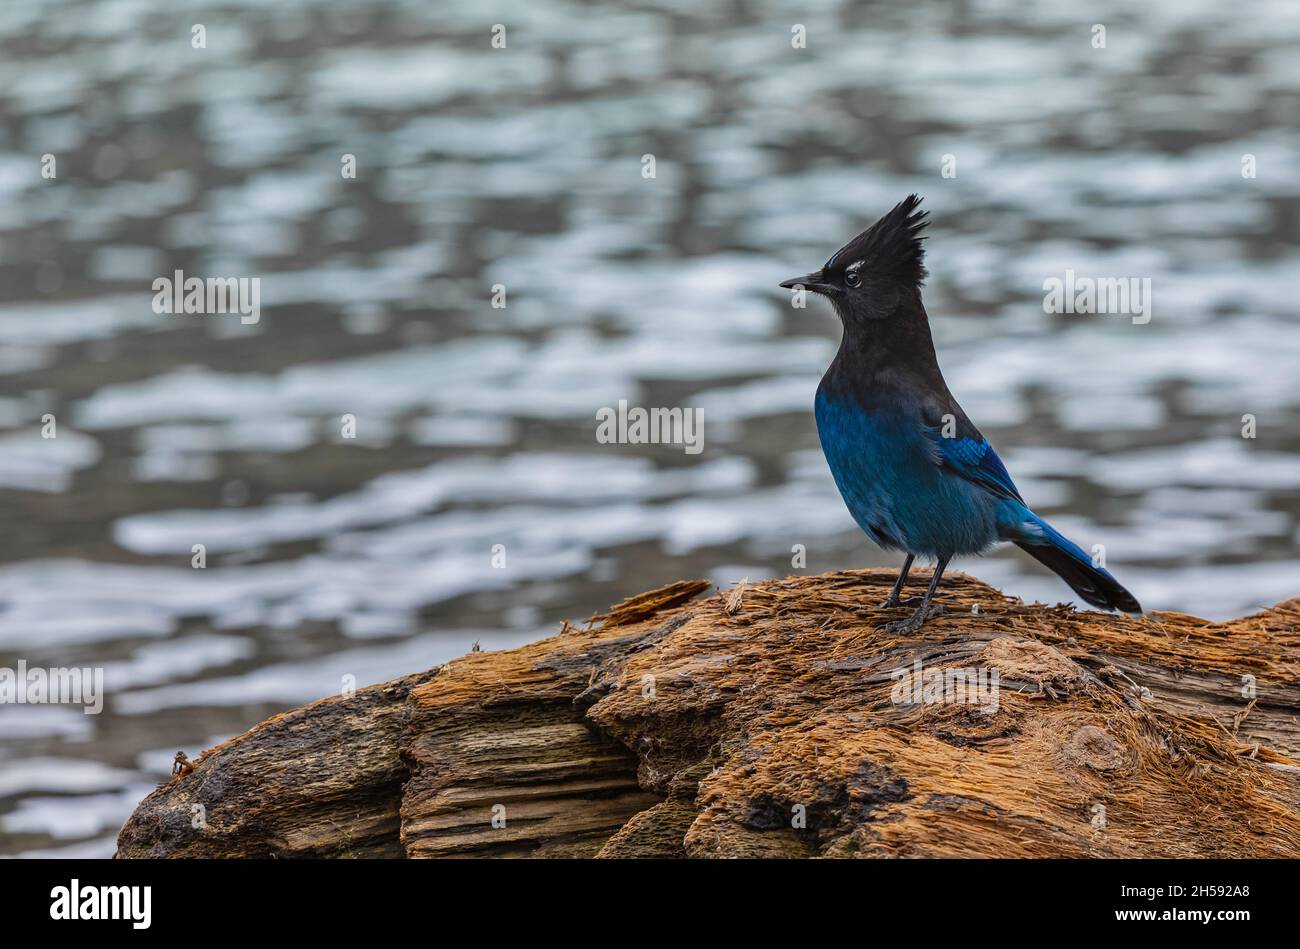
{"points": [[892, 247]]}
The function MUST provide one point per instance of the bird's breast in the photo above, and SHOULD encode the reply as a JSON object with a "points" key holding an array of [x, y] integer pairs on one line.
{"points": [[872, 459], [883, 464]]}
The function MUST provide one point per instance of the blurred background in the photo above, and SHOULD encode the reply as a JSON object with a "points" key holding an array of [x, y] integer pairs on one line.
{"points": [[371, 556]]}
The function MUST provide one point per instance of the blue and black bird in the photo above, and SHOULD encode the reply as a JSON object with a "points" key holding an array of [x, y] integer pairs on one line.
{"points": [[916, 474]]}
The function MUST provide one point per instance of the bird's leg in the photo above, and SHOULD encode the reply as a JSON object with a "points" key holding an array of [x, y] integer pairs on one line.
{"points": [[925, 611], [892, 600]]}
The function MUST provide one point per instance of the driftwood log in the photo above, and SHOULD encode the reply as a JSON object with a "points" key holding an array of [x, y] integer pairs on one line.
{"points": [[775, 720]]}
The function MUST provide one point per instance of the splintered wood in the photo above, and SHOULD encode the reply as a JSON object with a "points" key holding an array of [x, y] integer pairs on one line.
{"points": [[777, 719]]}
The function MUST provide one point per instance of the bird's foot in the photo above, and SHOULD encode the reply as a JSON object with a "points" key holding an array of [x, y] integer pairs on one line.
{"points": [[915, 621], [892, 601]]}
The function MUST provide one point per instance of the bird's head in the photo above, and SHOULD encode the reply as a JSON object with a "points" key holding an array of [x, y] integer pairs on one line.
{"points": [[876, 272]]}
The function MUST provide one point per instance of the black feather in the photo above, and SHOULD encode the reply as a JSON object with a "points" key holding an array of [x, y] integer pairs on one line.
{"points": [[892, 247], [1094, 587]]}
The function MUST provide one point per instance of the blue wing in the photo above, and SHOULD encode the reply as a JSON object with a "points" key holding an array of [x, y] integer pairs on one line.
{"points": [[975, 460]]}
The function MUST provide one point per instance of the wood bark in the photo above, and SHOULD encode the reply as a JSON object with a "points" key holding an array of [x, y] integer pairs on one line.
{"points": [[768, 721]]}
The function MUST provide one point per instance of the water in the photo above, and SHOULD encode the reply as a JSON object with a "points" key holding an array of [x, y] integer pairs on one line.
{"points": [[331, 557]]}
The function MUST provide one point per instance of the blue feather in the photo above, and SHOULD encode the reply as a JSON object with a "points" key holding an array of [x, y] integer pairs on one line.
{"points": [[975, 459], [883, 411], [885, 467]]}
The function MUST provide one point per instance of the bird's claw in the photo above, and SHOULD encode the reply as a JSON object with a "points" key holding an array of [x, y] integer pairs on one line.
{"points": [[892, 601], [913, 622]]}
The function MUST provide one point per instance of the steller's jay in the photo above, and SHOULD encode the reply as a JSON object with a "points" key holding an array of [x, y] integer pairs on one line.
{"points": [[916, 474]]}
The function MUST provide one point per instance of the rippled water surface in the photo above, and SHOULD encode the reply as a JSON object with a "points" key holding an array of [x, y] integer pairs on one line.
{"points": [[371, 556]]}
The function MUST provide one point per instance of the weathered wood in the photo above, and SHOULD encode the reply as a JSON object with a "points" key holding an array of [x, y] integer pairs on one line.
{"points": [[324, 780], [767, 721]]}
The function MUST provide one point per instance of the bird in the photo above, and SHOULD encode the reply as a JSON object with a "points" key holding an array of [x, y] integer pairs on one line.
{"points": [[915, 473]]}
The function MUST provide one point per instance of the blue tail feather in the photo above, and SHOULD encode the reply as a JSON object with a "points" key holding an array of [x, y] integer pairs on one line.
{"points": [[1095, 585]]}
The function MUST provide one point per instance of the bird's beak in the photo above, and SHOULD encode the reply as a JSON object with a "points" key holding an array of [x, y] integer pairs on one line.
{"points": [[814, 281]]}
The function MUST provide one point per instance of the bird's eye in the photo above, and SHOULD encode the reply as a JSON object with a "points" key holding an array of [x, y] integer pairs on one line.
{"points": [[852, 278]]}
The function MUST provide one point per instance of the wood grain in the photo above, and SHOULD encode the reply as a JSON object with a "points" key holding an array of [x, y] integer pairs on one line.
{"points": [[766, 722]]}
